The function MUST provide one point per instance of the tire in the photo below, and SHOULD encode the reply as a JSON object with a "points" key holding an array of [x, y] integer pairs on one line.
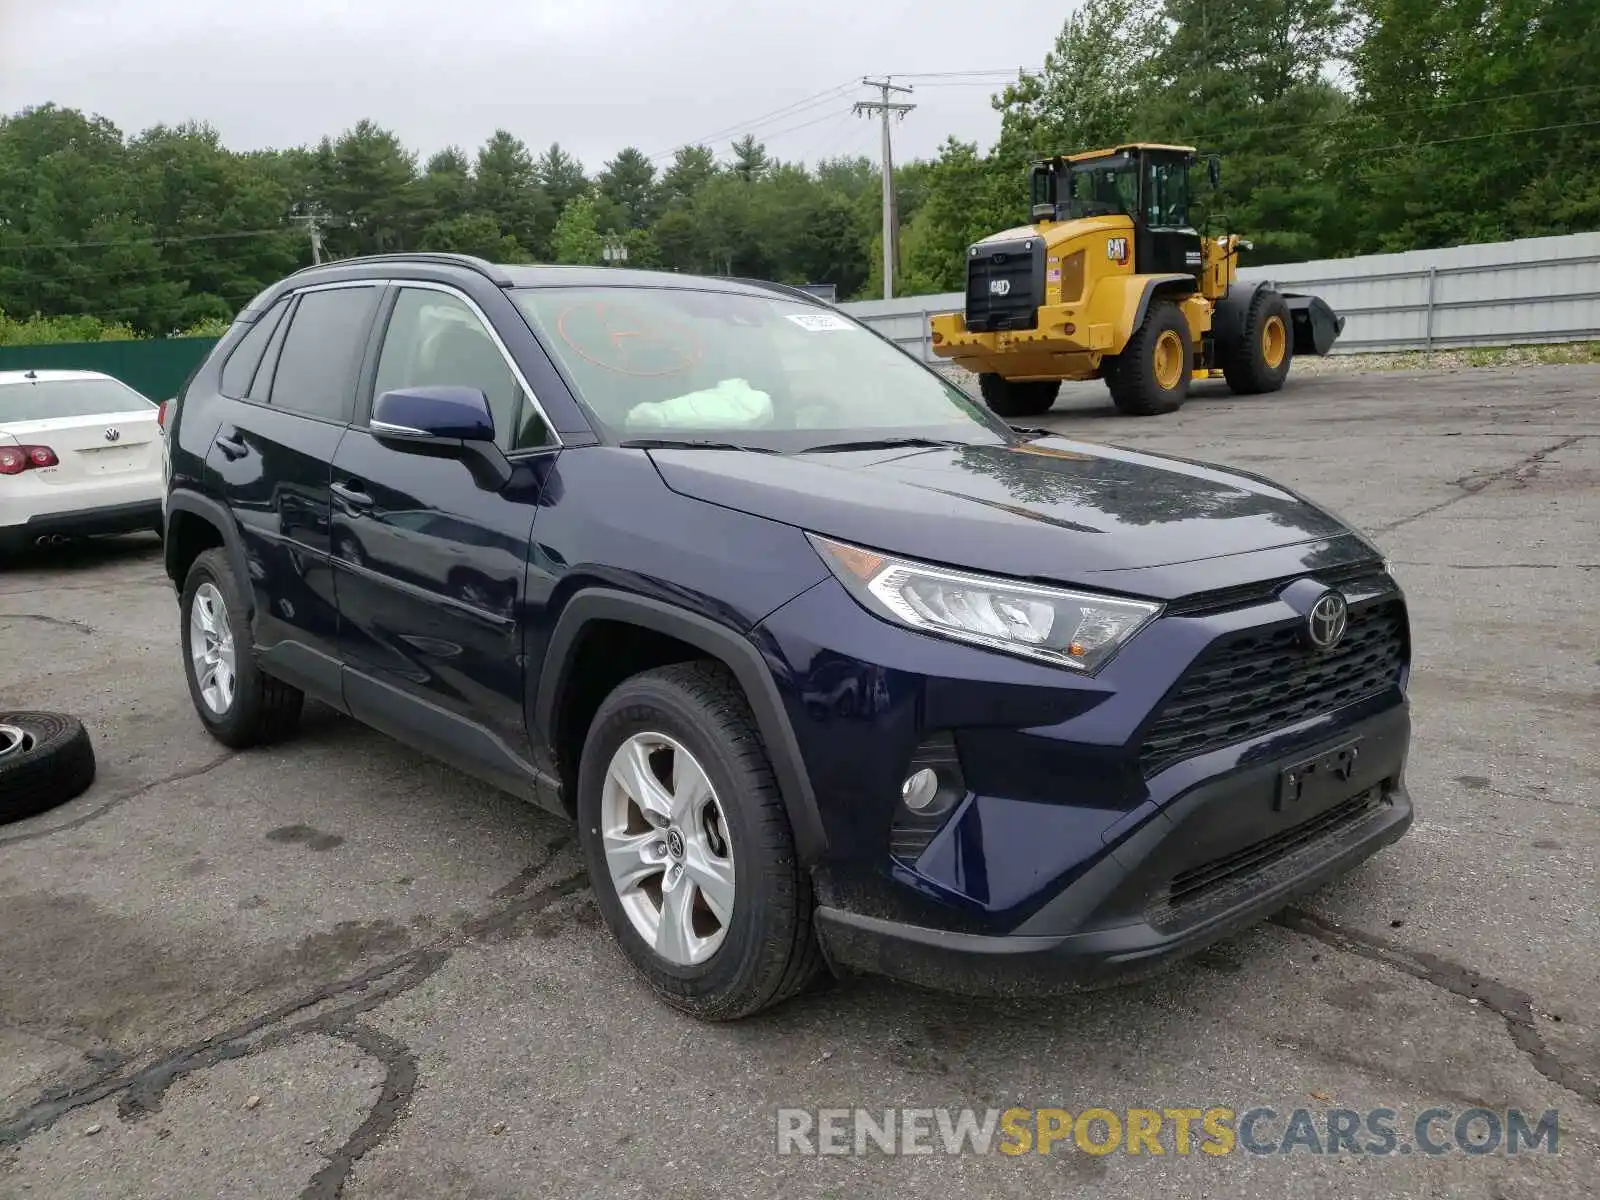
{"points": [[51, 761], [1143, 384], [261, 709], [1018, 398], [1260, 362], [767, 949]]}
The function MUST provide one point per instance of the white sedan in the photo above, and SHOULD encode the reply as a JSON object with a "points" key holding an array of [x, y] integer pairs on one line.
{"points": [[80, 454]]}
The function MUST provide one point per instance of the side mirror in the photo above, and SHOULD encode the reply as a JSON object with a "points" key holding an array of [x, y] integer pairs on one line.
{"points": [[453, 414], [1213, 169], [442, 422]]}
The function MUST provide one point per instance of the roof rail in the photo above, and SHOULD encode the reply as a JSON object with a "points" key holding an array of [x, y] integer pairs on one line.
{"points": [[482, 266], [787, 289]]}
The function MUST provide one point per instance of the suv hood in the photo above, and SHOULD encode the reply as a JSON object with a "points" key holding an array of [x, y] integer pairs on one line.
{"points": [[1050, 509]]}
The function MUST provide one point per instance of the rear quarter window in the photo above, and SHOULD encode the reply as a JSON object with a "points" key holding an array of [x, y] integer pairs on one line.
{"points": [[240, 368]]}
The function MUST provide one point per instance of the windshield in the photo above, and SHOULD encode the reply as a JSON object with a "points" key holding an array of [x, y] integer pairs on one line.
{"points": [[670, 364], [46, 399], [1104, 187]]}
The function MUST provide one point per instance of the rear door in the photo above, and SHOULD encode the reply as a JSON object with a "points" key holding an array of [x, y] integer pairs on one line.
{"points": [[271, 462], [432, 565]]}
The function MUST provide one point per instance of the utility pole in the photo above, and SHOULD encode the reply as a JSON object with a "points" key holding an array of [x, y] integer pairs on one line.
{"points": [[310, 220], [884, 108]]}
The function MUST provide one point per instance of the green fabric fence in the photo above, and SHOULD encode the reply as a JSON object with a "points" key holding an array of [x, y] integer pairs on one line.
{"points": [[157, 368]]}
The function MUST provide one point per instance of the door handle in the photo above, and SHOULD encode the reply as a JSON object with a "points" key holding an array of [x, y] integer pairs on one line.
{"points": [[232, 444], [352, 494]]}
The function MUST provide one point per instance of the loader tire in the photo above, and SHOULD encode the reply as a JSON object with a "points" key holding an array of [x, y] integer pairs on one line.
{"points": [[1018, 398], [1260, 361], [1151, 375]]}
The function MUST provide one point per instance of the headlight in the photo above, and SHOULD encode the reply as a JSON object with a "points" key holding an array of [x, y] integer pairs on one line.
{"points": [[1071, 629]]}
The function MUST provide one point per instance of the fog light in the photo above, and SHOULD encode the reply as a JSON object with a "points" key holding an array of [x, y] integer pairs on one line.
{"points": [[920, 790]]}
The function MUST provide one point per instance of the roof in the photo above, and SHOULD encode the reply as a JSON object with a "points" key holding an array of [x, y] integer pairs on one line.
{"points": [[511, 275], [42, 376], [1102, 153]]}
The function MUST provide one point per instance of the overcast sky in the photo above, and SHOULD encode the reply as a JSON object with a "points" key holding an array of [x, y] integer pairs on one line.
{"points": [[594, 74]]}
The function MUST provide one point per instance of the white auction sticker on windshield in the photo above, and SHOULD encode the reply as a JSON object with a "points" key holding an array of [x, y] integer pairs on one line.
{"points": [[819, 322]]}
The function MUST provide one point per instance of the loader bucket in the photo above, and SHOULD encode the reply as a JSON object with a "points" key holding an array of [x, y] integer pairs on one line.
{"points": [[1316, 325]]}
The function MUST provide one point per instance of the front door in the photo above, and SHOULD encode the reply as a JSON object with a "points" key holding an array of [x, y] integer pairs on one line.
{"points": [[1165, 243], [271, 461], [432, 565]]}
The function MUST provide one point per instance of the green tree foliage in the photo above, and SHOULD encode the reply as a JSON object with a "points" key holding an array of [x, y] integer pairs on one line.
{"points": [[629, 182], [1345, 127], [577, 237]]}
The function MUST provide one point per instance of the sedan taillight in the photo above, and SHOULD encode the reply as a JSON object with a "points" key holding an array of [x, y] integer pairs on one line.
{"points": [[161, 415], [14, 460]]}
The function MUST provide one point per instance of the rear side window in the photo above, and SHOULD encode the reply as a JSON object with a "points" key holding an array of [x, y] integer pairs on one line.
{"points": [[316, 372], [241, 366]]}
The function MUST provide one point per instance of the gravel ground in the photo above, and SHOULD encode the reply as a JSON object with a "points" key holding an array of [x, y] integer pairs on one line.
{"points": [[336, 968]]}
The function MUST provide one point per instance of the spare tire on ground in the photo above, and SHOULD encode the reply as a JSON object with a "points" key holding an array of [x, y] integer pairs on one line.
{"points": [[46, 759]]}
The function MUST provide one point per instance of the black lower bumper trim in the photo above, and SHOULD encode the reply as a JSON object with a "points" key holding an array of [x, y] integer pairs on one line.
{"points": [[115, 518], [1044, 964]]}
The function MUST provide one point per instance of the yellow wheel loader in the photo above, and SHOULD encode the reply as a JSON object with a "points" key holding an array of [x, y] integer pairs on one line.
{"points": [[1113, 282]]}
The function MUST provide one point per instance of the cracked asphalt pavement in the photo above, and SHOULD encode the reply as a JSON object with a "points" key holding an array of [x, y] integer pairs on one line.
{"points": [[335, 968]]}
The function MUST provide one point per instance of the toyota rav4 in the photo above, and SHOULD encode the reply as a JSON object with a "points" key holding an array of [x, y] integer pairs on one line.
{"points": [[832, 668]]}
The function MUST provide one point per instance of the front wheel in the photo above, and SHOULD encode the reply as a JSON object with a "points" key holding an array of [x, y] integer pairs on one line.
{"points": [[1018, 397], [1152, 373], [689, 848]]}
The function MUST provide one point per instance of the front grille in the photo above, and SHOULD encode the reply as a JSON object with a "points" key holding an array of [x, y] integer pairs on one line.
{"points": [[1017, 268], [1253, 682], [1220, 882]]}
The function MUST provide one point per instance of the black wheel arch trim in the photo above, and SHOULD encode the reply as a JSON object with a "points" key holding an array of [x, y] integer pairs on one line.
{"points": [[1155, 284], [215, 514], [735, 651]]}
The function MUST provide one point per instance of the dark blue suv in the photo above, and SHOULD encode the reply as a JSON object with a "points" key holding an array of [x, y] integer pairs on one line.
{"points": [[832, 667]]}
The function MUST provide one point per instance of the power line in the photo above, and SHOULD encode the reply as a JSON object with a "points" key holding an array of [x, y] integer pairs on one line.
{"points": [[1416, 109], [1475, 137], [751, 125], [166, 239]]}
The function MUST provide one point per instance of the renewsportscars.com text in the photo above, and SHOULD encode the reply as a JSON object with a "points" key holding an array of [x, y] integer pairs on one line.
{"points": [[1216, 1131]]}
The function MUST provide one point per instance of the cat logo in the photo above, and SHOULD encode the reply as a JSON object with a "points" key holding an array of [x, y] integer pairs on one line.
{"points": [[1117, 249]]}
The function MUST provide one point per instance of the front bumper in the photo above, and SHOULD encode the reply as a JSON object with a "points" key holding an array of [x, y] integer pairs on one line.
{"points": [[1176, 877], [1047, 351]]}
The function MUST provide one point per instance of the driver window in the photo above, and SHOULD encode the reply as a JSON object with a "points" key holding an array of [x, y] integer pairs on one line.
{"points": [[435, 340]]}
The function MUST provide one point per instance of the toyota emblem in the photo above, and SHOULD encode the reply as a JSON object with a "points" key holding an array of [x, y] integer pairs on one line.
{"points": [[1327, 620], [113, 434]]}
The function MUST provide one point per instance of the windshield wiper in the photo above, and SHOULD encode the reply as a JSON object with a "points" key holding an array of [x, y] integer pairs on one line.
{"points": [[885, 443], [690, 444]]}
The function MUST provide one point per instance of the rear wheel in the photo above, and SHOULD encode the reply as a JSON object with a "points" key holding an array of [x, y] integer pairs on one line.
{"points": [[237, 702], [689, 848], [1260, 361], [1152, 373], [1017, 397]]}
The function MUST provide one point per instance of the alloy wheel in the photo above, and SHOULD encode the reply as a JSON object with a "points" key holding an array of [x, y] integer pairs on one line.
{"points": [[211, 649], [667, 848]]}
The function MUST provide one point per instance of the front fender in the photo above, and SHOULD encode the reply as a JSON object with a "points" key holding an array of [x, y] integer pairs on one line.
{"points": [[719, 641]]}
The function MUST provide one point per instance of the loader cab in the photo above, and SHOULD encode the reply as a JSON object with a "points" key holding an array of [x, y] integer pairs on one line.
{"points": [[1148, 184]]}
